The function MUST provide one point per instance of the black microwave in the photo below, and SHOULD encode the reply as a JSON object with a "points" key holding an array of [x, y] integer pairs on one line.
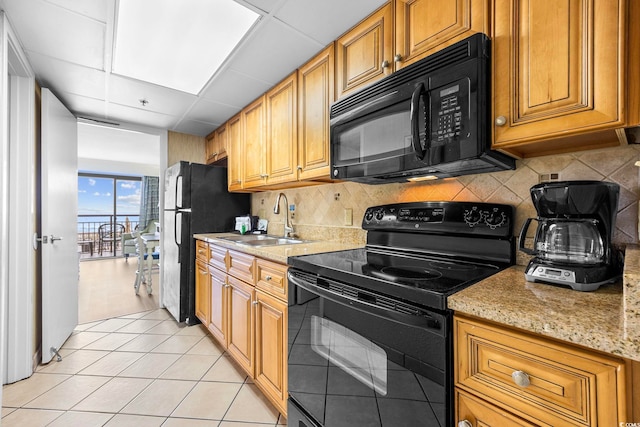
{"points": [[429, 120]]}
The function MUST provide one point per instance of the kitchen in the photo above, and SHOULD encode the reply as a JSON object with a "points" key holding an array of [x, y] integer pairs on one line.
{"points": [[343, 204]]}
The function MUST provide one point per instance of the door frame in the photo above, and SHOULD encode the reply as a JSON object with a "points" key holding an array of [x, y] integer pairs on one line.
{"points": [[18, 220]]}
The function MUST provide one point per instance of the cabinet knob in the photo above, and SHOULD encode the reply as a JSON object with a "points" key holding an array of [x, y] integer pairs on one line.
{"points": [[501, 121], [255, 303], [268, 278], [299, 167], [385, 64], [464, 423], [521, 378], [263, 175], [397, 58]]}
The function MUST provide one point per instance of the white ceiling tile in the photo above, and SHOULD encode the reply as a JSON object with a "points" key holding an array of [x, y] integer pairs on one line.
{"points": [[126, 114], [211, 112], [59, 33], [264, 5], [319, 19], [83, 106], [194, 127], [163, 100], [95, 9], [273, 51], [232, 88], [67, 77]]}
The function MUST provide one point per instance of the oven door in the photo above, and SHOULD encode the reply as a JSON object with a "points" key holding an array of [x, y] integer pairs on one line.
{"points": [[360, 359]]}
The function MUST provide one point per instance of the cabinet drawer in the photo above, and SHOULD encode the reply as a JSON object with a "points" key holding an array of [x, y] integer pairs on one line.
{"points": [[202, 251], [241, 266], [218, 257], [272, 278], [559, 385], [482, 414]]}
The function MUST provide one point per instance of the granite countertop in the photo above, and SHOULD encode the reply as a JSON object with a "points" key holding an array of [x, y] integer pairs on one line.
{"points": [[278, 253], [607, 319]]}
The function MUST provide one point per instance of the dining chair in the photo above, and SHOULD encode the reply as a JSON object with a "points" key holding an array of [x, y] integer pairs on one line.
{"points": [[145, 268], [109, 235]]}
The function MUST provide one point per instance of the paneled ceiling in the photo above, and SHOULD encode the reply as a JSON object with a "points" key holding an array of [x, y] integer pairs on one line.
{"points": [[69, 44]]}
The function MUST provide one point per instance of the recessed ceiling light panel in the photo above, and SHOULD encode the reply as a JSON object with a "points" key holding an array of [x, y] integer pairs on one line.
{"points": [[177, 43]]}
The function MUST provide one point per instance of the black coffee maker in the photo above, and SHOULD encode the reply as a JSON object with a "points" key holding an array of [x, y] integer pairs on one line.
{"points": [[572, 244]]}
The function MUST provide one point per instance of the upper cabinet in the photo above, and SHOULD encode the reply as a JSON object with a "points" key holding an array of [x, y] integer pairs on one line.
{"points": [[315, 96], [216, 145], [234, 148], [282, 131], [382, 44], [253, 144], [559, 75]]}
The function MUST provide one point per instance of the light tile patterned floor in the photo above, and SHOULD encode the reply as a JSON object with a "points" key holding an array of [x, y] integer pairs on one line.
{"points": [[138, 370]]}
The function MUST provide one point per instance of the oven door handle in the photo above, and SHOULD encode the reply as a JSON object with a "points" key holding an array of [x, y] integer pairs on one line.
{"points": [[426, 321]]}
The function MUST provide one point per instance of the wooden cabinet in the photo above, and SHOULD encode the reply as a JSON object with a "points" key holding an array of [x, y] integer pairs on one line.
{"points": [[243, 301], [203, 309], [253, 144], [315, 96], [210, 148], [282, 132], [479, 413], [221, 142], [401, 33], [535, 379], [240, 323], [234, 149], [559, 77], [271, 348]]}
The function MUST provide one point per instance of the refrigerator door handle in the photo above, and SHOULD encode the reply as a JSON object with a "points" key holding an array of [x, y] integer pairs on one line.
{"points": [[178, 188], [175, 229]]}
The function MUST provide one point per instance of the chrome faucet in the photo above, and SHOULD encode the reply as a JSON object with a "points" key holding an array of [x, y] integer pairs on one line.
{"points": [[288, 227]]}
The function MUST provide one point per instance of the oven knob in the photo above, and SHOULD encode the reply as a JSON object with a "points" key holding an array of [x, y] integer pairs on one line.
{"points": [[495, 219], [379, 215], [472, 217], [368, 216]]}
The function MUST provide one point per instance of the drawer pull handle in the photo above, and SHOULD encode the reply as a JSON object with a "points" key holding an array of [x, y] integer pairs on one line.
{"points": [[521, 378], [267, 278], [465, 423]]}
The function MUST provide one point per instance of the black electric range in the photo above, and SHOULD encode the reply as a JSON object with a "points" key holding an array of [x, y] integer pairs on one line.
{"points": [[366, 325]]}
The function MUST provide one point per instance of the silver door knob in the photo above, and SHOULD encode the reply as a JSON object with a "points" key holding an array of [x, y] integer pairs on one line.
{"points": [[521, 378], [384, 64], [464, 423], [501, 121]]}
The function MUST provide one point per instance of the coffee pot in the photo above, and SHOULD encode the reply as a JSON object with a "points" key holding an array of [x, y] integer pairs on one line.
{"points": [[572, 243]]}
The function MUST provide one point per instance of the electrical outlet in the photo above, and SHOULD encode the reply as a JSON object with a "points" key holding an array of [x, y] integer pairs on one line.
{"points": [[549, 177], [348, 216]]}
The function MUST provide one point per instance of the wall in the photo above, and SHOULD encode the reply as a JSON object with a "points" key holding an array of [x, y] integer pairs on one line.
{"points": [[182, 146], [320, 210]]}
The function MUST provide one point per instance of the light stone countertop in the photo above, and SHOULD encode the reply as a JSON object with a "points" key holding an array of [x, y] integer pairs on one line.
{"points": [[278, 253], [607, 320]]}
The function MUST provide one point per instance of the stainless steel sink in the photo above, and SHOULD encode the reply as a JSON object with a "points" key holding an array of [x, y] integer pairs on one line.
{"points": [[262, 240]]}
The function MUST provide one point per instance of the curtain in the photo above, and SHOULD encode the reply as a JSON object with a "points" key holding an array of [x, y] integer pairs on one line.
{"points": [[149, 201]]}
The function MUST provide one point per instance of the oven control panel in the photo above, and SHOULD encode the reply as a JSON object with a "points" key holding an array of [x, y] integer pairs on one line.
{"points": [[442, 217]]}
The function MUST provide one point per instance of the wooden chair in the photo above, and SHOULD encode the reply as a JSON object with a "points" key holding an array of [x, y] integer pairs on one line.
{"points": [[109, 235], [145, 266]]}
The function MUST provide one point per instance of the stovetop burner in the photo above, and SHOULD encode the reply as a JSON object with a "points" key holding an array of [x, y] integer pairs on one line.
{"points": [[406, 274]]}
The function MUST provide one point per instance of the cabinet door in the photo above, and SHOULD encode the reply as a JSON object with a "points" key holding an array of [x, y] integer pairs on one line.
{"points": [[202, 292], [253, 147], [479, 413], [315, 96], [234, 148], [271, 348], [426, 26], [241, 323], [221, 142], [365, 53], [217, 324], [282, 131], [210, 147], [556, 72]]}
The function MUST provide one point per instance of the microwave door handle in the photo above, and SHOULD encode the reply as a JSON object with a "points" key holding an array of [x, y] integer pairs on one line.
{"points": [[415, 121]]}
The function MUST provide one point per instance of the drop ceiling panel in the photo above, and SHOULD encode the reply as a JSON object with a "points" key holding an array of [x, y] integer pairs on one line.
{"points": [[95, 9], [128, 92], [211, 112], [235, 89], [319, 19], [58, 32], [67, 77], [83, 106], [194, 127], [264, 5], [126, 114], [273, 51]]}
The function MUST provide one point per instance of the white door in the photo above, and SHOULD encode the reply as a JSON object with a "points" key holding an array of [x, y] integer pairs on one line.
{"points": [[59, 217]]}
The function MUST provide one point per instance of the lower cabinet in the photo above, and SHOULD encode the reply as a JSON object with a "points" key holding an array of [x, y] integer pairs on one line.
{"points": [[245, 309], [506, 374]]}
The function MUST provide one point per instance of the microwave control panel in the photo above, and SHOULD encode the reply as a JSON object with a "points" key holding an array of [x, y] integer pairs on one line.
{"points": [[448, 107]]}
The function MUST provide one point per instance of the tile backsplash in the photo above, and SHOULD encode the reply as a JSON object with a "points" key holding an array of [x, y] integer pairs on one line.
{"points": [[323, 211]]}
